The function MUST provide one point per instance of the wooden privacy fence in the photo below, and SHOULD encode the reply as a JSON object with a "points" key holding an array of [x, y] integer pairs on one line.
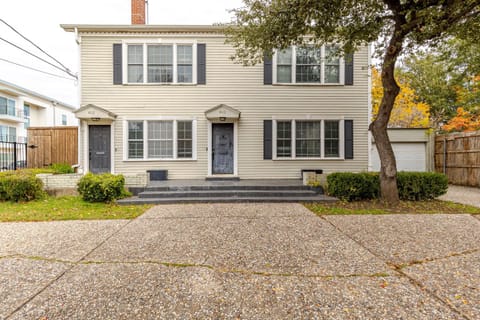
{"points": [[50, 145], [458, 156]]}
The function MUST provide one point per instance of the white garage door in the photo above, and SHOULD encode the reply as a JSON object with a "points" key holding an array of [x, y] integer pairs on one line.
{"points": [[410, 156]]}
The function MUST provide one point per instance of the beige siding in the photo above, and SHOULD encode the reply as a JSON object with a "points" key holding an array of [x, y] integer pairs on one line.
{"points": [[232, 84]]}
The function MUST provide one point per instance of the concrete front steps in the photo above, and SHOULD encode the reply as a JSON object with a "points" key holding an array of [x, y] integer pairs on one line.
{"points": [[232, 191]]}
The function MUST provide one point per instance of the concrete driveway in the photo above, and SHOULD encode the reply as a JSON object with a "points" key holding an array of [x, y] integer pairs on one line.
{"points": [[242, 261]]}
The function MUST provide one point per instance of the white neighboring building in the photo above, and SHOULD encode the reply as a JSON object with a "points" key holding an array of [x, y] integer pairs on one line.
{"points": [[21, 108]]}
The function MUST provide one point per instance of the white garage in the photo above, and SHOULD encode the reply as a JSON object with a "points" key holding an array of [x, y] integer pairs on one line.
{"points": [[412, 148]]}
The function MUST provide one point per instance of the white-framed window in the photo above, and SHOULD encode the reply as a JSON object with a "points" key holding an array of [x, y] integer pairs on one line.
{"points": [[165, 139], [8, 134], [160, 62], [7, 107], [64, 119], [308, 65], [26, 115], [308, 139]]}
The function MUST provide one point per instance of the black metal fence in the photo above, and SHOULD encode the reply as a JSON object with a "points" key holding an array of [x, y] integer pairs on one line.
{"points": [[13, 155]]}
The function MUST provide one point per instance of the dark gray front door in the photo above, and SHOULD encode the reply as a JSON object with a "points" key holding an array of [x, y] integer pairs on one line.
{"points": [[222, 148], [99, 148]]}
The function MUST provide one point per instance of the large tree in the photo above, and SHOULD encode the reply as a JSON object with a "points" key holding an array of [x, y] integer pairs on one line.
{"points": [[262, 26]]}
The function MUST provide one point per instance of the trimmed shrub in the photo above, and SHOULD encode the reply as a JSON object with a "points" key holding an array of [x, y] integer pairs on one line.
{"points": [[413, 186], [350, 186], [421, 185], [61, 168], [104, 187], [20, 186]]}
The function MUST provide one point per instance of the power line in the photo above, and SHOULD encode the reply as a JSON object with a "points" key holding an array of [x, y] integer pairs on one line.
{"points": [[34, 69], [34, 55], [36, 46]]}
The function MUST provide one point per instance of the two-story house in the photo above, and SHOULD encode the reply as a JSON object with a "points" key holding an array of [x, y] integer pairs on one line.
{"points": [[158, 97]]}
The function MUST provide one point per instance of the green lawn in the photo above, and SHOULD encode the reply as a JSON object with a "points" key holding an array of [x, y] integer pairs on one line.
{"points": [[378, 207], [66, 208]]}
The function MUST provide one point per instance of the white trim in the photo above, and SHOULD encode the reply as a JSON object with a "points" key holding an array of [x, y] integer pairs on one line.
{"points": [[87, 147], [322, 138], [341, 139], [235, 148], [158, 41], [209, 148], [145, 138], [112, 147]]}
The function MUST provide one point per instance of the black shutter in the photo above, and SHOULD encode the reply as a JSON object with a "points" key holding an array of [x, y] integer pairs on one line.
{"points": [[267, 139], [201, 63], [117, 63], [267, 70], [348, 126], [349, 69]]}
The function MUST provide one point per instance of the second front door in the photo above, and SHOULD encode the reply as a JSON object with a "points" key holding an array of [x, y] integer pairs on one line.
{"points": [[222, 148]]}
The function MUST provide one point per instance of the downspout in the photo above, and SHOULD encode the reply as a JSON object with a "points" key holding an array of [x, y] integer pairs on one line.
{"points": [[78, 40]]}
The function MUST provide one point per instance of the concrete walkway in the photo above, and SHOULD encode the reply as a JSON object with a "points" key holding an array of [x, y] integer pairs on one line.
{"points": [[464, 195], [242, 261]]}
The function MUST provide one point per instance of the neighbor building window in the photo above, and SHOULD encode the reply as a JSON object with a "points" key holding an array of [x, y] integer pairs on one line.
{"points": [[7, 107], [8, 134], [296, 139], [64, 119], [163, 139], [162, 63], [309, 64], [26, 116]]}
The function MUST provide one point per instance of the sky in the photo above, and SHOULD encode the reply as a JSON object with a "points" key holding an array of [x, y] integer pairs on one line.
{"points": [[39, 21]]}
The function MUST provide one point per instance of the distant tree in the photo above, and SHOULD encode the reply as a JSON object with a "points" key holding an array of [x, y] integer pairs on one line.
{"points": [[446, 77], [261, 26], [463, 121], [407, 111], [430, 76]]}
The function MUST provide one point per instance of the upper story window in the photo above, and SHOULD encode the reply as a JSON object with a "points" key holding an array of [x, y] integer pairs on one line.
{"points": [[64, 119], [308, 65], [7, 107], [160, 63]]}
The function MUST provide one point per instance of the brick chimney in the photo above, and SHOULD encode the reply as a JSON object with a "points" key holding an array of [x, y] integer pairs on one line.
{"points": [[138, 11]]}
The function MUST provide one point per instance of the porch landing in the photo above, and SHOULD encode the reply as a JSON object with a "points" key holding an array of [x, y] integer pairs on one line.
{"points": [[197, 191]]}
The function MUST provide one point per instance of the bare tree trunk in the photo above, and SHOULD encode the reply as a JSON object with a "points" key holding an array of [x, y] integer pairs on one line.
{"points": [[388, 169]]}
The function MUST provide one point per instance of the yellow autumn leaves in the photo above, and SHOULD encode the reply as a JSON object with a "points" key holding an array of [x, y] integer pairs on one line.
{"points": [[407, 112]]}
